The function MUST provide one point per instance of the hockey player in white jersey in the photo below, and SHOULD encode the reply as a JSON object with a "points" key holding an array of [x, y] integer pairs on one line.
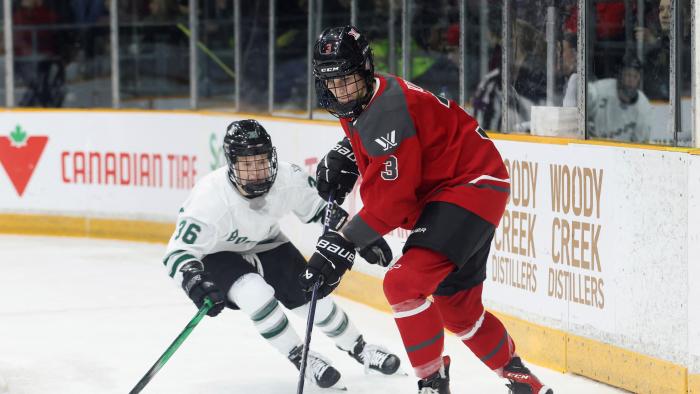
{"points": [[617, 109], [228, 246]]}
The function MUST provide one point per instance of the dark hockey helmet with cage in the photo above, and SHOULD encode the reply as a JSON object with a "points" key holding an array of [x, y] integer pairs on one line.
{"points": [[340, 52], [246, 138]]}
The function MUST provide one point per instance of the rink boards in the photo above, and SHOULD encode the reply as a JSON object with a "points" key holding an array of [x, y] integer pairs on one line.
{"points": [[593, 268]]}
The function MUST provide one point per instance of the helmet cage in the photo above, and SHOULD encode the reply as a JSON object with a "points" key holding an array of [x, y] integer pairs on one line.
{"points": [[239, 155], [245, 139], [340, 107]]}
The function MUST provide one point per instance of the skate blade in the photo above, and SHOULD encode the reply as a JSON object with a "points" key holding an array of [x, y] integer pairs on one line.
{"points": [[399, 372], [338, 386], [327, 390]]}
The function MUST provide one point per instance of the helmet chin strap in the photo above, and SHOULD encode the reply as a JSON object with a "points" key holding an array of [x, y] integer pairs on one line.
{"points": [[247, 193], [256, 202], [242, 191]]}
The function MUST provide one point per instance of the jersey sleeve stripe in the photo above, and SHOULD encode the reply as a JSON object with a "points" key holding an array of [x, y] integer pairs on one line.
{"points": [[170, 255], [180, 260], [489, 178]]}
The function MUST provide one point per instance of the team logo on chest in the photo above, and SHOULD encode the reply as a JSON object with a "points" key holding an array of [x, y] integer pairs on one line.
{"points": [[237, 239], [387, 142]]}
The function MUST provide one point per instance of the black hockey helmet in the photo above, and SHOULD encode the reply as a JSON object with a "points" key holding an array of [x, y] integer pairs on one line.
{"points": [[341, 52], [244, 139]]}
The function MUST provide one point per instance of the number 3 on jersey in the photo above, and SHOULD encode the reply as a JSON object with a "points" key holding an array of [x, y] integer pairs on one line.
{"points": [[190, 234], [391, 168]]}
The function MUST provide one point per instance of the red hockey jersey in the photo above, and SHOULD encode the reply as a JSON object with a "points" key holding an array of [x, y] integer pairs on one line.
{"points": [[412, 148]]}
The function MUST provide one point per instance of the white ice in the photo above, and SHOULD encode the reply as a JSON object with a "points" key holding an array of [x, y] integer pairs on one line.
{"points": [[91, 316]]}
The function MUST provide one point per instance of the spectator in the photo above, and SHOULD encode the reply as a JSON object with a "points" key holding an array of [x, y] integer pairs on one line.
{"points": [[441, 58], [617, 109], [91, 38], [528, 85], [657, 52], [37, 61]]}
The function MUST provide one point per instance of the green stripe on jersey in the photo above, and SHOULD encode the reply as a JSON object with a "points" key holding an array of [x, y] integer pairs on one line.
{"points": [[165, 260], [180, 260]]}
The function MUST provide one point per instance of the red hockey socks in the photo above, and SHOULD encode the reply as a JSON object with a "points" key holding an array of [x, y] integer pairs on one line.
{"points": [[407, 286], [481, 331], [491, 343]]}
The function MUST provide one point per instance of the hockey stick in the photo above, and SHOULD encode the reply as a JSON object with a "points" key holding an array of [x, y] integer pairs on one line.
{"points": [[312, 304], [173, 347]]}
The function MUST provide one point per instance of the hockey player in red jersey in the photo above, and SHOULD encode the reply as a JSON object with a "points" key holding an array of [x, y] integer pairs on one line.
{"points": [[427, 166]]}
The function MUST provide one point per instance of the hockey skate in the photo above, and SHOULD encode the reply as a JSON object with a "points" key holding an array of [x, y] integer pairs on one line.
{"points": [[375, 358], [318, 369], [522, 381], [437, 383]]}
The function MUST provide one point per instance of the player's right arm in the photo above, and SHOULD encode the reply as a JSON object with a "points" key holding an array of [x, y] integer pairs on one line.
{"points": [[194, 237], [190, 242]]}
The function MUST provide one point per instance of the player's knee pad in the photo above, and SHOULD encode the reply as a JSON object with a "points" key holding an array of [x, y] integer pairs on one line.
{"points": [[394, 282], [406, 280], [251, 293]]}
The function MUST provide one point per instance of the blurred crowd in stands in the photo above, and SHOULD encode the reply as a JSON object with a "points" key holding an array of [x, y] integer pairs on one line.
{"points": [[62, 55]]}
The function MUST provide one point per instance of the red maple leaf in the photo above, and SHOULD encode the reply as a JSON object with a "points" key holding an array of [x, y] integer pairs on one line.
{"points": [[19, 156]]}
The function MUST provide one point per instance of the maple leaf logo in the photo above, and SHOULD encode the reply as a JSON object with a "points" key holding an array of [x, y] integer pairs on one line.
{"points": [[18, 137], [19, 155]]}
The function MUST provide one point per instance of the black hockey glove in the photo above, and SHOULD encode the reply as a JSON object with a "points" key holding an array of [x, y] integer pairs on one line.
{"points": [[334, 255], [337, 172], [378, 252], [198, 285]]}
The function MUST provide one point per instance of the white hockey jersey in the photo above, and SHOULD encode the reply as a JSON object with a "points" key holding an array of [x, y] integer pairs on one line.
{"points": [[216, 217], [610, 118]]}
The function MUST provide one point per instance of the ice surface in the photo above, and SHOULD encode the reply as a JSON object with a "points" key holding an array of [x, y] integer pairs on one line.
{"points": [[91, 316]]}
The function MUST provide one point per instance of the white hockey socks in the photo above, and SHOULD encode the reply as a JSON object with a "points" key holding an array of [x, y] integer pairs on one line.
{"points": [[333, 322], [256, 298]]}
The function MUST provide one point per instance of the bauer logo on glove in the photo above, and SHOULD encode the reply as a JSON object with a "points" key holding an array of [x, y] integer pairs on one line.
{"points": [[336, 250]]}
